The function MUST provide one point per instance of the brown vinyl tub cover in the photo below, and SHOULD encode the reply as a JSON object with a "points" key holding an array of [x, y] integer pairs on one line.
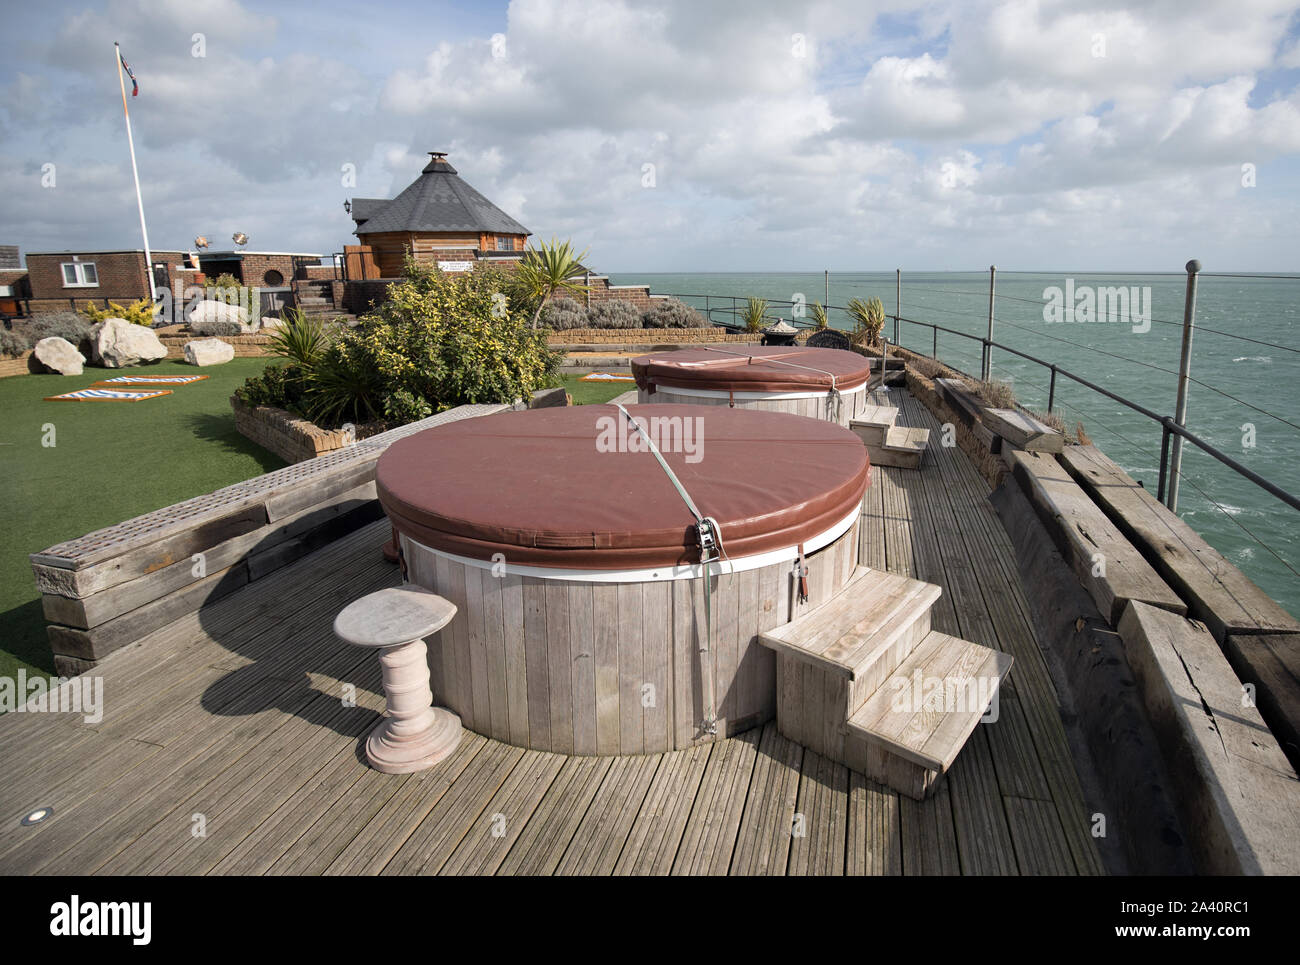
{"points": [[541, 488], [765, 371]]}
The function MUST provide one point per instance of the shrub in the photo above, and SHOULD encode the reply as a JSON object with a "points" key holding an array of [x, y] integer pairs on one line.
{"points": [[224, 281], [561, 314], [997, 395], [13, 344], [137, 313], [440, 340], [66, 325], [868, 318], [215, 327], [300, 339], [755, 314], [819, 315], [928, 368], [614, 314], [280, 386], [672, 313]]}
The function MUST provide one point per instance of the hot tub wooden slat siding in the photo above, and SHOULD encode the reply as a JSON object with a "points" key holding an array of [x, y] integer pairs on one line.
{"points": [[611, 668], [851, 405]]}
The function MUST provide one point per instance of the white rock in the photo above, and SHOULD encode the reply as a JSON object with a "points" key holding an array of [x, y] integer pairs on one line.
{"points": [[116, 343], [270, 321], [60, 355], [210, 311], [208, 351]]}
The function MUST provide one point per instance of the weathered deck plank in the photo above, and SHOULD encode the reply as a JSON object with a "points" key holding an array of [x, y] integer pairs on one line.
{"points": [[235, 712]]}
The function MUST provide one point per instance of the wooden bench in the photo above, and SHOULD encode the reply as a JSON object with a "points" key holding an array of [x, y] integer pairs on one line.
{"points": [[111, 587]]}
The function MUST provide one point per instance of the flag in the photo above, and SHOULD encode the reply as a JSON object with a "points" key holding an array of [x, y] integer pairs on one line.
{"points": [[135, 86]]}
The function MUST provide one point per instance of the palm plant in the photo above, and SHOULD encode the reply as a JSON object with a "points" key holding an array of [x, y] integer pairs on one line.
{"points": [[819, 315], [299, 339], [868, 318], [754, 314], [549, 269]]}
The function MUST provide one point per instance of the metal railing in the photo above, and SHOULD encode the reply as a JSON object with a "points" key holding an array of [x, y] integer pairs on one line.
{"points": [[1173, 429]]}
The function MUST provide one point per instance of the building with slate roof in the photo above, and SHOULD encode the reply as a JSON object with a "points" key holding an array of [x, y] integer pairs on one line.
{"points": [[439, 217]]}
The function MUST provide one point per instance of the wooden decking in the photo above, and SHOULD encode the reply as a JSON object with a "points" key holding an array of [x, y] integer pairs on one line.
{"points": [[228, 746]]}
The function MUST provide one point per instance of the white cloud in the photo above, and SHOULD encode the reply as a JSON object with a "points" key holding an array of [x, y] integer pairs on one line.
{"points": [[781, 135]]}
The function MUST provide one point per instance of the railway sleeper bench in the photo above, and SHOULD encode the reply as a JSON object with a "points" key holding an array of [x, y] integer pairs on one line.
{"points": [[105, 590]]}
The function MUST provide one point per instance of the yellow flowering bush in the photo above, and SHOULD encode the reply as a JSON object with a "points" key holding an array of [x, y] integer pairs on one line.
{"points": [[440, 340]]}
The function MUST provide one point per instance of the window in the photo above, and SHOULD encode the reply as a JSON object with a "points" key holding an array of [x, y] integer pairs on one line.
{"points": [[80, 274], [273, 279], [505, 244]]}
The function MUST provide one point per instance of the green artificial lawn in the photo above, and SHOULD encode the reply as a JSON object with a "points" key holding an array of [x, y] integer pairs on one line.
{"points": [[114, 460], [594, 393], [110, 461]]}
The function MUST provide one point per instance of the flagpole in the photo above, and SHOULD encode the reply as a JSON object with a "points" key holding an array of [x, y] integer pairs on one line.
{"points": [[130, 141]]}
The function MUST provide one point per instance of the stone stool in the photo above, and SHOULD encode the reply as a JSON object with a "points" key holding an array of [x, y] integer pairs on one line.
{"points": [[415, 735]]}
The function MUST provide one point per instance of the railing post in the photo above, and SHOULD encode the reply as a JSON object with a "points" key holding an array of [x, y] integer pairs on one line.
{"points": [[1051, 391], [898, 299], [934, 349], [1184, 370], [826, 293], [1164, 459], [988, 346]]}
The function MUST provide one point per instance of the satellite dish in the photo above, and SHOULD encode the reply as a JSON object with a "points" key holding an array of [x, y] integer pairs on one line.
{"points": [[200, 242], [239, 238]]}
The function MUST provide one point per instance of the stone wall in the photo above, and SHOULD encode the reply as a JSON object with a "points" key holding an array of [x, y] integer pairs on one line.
{"points": [[290, 438]]}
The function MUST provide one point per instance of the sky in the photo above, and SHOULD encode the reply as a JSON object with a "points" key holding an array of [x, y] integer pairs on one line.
{"points": [[764, 135]]}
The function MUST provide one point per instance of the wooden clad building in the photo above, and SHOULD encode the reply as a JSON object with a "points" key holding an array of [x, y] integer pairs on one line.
{"points": [[439, 217]]}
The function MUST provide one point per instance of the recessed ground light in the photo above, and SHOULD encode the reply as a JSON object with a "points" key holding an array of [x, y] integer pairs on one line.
{"points": [[37, 816]]}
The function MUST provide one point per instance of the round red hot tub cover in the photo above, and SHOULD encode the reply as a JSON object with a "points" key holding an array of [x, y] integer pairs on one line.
{"points": [[573, 487], [751, 368]]}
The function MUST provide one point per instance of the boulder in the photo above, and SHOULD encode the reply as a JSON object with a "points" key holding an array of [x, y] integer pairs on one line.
{"points": [[208, 351], [270, 322], [211, 311], [116, 343], [60, 355]]}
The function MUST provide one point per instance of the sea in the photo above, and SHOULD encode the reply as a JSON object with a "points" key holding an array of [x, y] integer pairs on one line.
{"points": [[1245, 363]]}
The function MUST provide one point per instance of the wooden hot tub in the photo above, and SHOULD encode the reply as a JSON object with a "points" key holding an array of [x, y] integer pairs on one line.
{"points": [[819, 383], [575, 564]]}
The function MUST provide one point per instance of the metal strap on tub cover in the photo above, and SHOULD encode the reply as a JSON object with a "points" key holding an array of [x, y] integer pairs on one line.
{"points": [[565, 488], [753, 369]]}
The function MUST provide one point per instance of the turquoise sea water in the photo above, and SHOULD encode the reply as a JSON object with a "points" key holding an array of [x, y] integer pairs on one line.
{"points": [[1232, 513]]}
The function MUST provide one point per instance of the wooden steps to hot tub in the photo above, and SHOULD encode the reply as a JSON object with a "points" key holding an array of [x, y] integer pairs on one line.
{"points": [[889, 444], [858, 679]]}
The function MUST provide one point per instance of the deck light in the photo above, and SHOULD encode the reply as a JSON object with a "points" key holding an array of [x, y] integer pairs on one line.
{"points": [[37, 816]]}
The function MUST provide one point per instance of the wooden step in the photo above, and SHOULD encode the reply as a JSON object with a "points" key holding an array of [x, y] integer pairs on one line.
{"points": [[898, 718], [873, 422], [903, 446], [863, 633]]}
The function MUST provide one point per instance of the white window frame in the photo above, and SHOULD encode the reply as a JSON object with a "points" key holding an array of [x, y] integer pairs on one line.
{"points": [[79, 270]]}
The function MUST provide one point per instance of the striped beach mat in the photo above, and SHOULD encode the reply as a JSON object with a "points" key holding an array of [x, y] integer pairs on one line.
{"points": [[150, 380], [107, 395], [606, 377]]}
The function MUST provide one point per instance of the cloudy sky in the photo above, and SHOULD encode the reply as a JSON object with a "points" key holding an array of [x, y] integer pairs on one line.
{"points": [[676, 136]]}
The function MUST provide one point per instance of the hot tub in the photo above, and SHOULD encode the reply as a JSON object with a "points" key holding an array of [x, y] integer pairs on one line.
{"points": [[575, 565], [819, 383]]}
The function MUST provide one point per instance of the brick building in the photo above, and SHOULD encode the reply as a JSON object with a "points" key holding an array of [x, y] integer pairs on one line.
{"points": [[58, 281], [440, 218]]}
